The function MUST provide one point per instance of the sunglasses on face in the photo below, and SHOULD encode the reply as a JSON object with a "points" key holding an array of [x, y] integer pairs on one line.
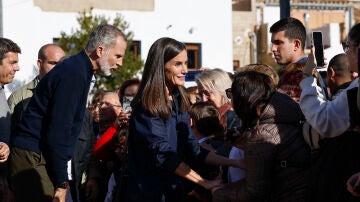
{"points": [[228, 93]]}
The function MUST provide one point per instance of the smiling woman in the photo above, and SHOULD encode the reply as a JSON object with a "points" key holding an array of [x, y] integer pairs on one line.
{"points": [[160, 137]]}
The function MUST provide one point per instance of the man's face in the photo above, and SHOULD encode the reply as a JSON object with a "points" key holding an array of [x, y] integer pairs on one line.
{"points": [[330, 79], [8, 67], [112, 57], [351, 49], [53, 55], [282, 48]]}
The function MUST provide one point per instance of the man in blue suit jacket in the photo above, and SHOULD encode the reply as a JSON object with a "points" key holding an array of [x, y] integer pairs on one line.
{"points": [[45, 138]]}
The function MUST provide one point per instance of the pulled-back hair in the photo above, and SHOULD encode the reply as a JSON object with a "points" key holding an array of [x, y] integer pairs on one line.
{"points": [[6, 45], [103, 35], [251, 90], [293, 28], [125, 84], [263, 68], [152, 90]]}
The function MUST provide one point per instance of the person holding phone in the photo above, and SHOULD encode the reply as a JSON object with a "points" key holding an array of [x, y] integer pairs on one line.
{"points": [[338, 122], [127, 91]]}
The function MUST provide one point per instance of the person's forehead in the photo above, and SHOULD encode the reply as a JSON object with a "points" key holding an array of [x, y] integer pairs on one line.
{"points": [[110, 97], [10, 55], [279, 34], [132, 87]]}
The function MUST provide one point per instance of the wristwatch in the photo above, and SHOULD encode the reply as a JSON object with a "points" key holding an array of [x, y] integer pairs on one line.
{"points": [[63, 185]]}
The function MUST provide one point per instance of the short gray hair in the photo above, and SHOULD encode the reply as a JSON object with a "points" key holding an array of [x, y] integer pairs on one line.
{"points": [[103, 35]]}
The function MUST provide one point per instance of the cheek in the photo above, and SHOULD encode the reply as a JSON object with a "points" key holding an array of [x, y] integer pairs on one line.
{"points": [[111, 61], [169, 75]]}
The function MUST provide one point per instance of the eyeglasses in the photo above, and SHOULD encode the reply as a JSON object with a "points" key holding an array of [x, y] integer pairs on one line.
{"points": [[229, 93], [106, 104]]}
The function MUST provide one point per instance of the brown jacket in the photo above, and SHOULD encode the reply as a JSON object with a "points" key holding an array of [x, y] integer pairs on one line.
{"points": [[276, 156]]}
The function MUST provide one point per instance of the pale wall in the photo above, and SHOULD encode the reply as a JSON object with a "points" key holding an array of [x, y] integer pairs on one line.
{"points": [[211, 21]]}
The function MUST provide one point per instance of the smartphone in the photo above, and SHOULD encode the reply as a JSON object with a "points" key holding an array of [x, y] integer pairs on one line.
{"points": [[190, 76], [319, 49], [126, 103]]}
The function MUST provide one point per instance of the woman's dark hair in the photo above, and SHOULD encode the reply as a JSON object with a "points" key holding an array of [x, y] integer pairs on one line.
{"points": [[124, 85], [251, 91], [152, 90]]}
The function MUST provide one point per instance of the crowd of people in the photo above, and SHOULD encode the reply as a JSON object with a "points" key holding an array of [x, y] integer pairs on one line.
{"points": [[234, 137]]}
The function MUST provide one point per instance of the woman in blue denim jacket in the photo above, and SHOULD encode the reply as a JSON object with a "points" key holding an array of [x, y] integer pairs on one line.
{"points": [[161, 143]]}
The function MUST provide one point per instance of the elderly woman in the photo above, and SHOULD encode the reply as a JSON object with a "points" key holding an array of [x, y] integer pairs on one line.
{"points": [[211, 88], [276, 155]]}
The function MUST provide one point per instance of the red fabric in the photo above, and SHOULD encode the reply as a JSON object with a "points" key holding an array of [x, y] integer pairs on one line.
{"points": [[103, 146], [222, 110]]}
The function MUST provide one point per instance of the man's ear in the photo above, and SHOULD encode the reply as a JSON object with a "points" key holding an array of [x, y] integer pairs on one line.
{"points": [[331, 73], [297, 44], [38, 62], [100, 51]]}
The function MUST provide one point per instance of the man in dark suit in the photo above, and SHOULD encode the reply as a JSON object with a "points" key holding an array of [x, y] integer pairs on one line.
{"points": [[46, 136]]}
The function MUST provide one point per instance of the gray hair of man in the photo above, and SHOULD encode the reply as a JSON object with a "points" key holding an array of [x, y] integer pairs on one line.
{"points": [[104, 35]]}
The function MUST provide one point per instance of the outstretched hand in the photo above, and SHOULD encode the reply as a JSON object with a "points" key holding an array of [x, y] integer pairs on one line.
{"points": [[353, 184], [4, 152]]}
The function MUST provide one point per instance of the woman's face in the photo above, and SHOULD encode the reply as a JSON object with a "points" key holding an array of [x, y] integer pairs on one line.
{"points": [[208, 95], [131, 90], [176, 69]]}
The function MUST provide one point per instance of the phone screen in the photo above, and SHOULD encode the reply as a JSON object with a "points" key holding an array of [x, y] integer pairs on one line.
{"points": [[319, 49], [126, 103]]}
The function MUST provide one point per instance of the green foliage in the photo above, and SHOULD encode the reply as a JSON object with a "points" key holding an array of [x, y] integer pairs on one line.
{"points": [[76, 41]]}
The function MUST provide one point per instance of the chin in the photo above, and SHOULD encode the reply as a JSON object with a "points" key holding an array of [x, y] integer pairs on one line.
{"points": [[106, 72]]}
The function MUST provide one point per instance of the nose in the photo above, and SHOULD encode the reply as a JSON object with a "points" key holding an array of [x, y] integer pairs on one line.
{"points": [[273, 47], [119, 62], [184, 68], [16, 67]]}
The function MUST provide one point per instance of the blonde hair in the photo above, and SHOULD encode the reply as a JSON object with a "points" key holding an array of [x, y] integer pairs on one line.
{"points": [[215, 80]]}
